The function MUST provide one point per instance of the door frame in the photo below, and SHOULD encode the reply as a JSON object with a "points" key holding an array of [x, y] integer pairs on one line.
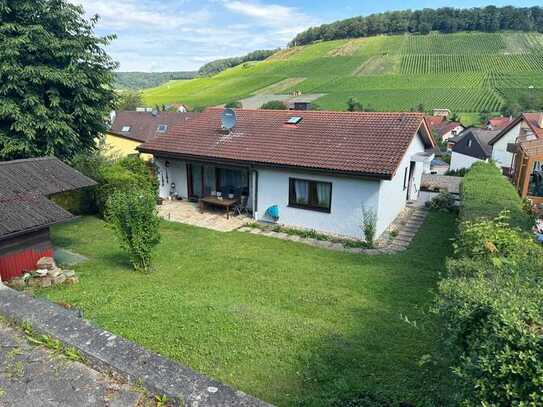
{"points": [[411, 179]]}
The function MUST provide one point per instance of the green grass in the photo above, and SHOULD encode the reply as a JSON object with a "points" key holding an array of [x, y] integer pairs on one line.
{"points": [[286, 322], [465, 72]]}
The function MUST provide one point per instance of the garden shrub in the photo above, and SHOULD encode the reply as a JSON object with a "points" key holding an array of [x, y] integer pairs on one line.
{"points": [[443, 202], [112, 175], [133, 216], [491, 306], [369, 225], [486, 192]]}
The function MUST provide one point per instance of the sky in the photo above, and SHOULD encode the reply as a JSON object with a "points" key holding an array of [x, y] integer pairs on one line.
{"points": [[182, 35]]}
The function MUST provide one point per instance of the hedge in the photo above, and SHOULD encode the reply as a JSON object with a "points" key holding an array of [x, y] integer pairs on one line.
{"points": [[491, 299], [486, 192]]}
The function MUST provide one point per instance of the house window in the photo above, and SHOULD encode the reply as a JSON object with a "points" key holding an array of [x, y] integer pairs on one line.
{"points": [[313, 195], [125, 129], [405, 179], [469, 143], [162, 128]]}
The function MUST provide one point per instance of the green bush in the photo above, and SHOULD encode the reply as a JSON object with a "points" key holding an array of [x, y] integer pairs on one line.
{"points": [[133, 216], [486, 192], [443, 202], [111, 175], [274, 105], [490, 304]]}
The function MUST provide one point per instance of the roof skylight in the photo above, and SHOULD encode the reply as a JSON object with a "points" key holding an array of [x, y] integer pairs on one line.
{"points": [[125, 129], [162, 128], [294, 120]]}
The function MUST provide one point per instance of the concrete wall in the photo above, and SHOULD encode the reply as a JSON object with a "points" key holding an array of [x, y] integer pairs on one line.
{"points": [[393, 197], [459, 161], [499, 150], [176, 173], [348, 196]]}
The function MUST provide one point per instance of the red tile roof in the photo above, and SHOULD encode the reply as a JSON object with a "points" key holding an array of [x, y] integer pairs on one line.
{"points": [[144, 125], [446, 127], [370, 144], [500, 122], [433, 121], [533, 120]]}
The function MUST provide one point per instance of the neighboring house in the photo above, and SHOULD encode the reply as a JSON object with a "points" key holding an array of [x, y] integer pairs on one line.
{"points": [[526, 127], [315, 169], [473, 146], [26, 213], [442, 128], [453, 140], [528, 170], [130, 129], [498, 123], [448, 130]]}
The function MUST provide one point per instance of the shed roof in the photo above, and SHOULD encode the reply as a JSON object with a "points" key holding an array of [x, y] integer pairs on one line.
{"points": [[27, 212], [46, 175], [24, 187], [370, 144]]}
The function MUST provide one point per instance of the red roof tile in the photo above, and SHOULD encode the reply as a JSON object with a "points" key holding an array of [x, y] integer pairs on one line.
{"points": [[144, 125], [433, 121], [535, 121], [500, 122], [361, 143]]}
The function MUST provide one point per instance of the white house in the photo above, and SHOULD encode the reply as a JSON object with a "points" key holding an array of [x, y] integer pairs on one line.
{"points": [[528, 126], [470, 147], [316, 169]]}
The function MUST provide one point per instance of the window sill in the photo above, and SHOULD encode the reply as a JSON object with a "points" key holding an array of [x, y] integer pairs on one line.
{"points": [[309, 208]]}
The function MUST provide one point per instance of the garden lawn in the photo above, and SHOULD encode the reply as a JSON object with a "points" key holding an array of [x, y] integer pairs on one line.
{"points": [[285, 322]]}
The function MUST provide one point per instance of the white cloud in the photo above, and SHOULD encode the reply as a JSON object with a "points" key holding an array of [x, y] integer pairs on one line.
{"points": [[138, 14], [287, 20], [168, 35]]}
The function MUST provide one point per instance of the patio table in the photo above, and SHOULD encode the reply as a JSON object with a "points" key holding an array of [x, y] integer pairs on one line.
{"points": [[225, 203]]}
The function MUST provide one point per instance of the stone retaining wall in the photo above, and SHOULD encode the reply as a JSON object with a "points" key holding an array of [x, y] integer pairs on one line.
{"points": [[107, 352]]}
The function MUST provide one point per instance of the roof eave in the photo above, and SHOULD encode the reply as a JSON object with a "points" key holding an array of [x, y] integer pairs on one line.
{"points": [[36, 228], [506, 130], [170, 154]]}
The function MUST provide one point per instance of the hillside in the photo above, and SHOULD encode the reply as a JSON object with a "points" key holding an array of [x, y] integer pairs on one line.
{"points": [[143, 80], [465, 72]]}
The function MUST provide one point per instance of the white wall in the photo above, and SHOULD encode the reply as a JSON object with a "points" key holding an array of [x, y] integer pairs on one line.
{"points": [[459, 161], [176, 172], [348, 196], [393, 197], [453, 132], [499, 150]]}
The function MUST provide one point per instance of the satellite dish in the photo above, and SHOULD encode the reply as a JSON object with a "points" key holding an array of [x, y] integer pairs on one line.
{"points": [[228, 119]]}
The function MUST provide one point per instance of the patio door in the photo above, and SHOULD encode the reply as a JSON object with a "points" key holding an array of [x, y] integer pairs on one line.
{"points": [[202, 180]]}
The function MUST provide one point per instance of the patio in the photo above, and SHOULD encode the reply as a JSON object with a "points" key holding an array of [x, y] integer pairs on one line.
{"points": [[189, 213]]}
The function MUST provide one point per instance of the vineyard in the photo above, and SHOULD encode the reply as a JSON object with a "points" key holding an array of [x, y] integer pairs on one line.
{"points": [[465, 72]]}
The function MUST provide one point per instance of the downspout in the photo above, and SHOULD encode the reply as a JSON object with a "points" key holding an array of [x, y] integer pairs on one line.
{"points": [[254, 179]]}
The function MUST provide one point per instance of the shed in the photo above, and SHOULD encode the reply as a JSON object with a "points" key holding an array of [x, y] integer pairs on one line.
{"points": [[27, 213]]}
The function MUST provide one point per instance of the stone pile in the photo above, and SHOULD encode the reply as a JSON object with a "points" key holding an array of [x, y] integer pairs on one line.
{"points": [[47, 274]]}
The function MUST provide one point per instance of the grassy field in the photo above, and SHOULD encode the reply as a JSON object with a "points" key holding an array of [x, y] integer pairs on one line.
{"points": [[288, 323], [465, 72]]}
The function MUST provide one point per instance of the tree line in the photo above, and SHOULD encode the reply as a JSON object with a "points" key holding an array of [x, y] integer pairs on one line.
{"points": [[219, 65], [445, 20]]}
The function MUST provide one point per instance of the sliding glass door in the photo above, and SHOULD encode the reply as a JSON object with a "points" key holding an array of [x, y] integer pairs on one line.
{"points": [[206, 179]]}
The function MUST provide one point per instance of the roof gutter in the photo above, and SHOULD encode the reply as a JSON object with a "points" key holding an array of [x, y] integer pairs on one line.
{"points": [[37, 228]]}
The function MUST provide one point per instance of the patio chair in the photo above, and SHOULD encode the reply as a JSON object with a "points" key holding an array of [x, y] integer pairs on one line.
{"points": [[242, 207]]}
